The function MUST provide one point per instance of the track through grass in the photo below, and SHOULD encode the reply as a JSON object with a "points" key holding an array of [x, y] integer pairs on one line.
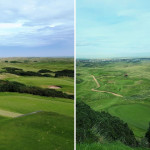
{"points": [[127, 79]]}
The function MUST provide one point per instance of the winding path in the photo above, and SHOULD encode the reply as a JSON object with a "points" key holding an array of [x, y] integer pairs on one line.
{"points": [[98, 85]]}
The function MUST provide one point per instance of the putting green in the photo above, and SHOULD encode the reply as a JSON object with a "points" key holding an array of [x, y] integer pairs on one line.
{"points": [[136, 115]]}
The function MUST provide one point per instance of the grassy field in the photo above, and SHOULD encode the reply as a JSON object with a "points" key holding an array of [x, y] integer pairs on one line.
{"points": [[35, 64], [52, 124], [44, 130], [106, 146], [44, 82], [130, 80]]}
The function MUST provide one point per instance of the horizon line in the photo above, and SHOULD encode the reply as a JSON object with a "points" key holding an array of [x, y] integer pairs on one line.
{"points": [[38, 57]]}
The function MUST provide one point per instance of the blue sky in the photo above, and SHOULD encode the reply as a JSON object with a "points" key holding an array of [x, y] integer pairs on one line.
{"points": [[36, 28], [113, 28]]}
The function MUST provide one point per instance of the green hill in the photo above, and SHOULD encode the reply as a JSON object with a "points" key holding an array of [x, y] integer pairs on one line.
{"points": [[43, 130]]}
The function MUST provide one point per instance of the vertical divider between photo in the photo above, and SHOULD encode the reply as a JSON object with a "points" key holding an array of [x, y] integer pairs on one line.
{"points": [[74, 74]]}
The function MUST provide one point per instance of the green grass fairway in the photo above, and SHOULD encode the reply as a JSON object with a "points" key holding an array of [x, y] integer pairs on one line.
{"points": [[106, 146], [32, 122], [26, 103], [66, 83], [138, 115], [41, 131], [134, 105]]}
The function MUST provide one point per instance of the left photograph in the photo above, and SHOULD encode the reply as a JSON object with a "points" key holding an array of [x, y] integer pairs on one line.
{"points": [[36, 75]]}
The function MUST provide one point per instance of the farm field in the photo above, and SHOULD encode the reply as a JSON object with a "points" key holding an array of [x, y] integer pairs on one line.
{"points": [[120, 88], [32, 121]]}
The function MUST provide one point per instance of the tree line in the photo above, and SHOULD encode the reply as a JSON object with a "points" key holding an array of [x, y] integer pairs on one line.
{"points": [[12, 86], [40, 73], [21, 72], [68, 73], [93, 126]]}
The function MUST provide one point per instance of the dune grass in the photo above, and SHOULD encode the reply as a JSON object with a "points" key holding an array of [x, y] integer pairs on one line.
{"points": [[133, 107], [35, 64], [106, 146]]}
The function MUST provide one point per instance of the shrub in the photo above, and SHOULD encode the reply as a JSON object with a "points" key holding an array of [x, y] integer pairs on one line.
{"points": [[20, 72], [147, 135], [104, 125], [7, 86], [68, 73], [15, 62], [44, 71]]}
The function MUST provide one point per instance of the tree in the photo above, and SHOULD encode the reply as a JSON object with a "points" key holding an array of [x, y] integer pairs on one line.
{"points": [[147, 135]]}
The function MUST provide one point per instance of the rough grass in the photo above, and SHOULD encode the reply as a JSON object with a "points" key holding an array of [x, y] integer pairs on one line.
{"points": [[106, 146], [29, 64], [134, 106]]}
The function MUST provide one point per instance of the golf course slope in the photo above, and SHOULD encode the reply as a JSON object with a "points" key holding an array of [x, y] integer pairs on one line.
{"points": [[120, 87], [32, 115], [43, 130]]}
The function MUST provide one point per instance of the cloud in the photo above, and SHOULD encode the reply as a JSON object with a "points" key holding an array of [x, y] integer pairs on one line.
{"points": [[113, 28], [36, 22]]}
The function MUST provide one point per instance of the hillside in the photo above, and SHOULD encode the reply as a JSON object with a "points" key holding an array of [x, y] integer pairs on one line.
{"points": [[36, 108], [119, 87]]}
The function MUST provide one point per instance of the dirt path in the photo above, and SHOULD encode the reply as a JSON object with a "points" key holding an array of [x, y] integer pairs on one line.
{"points": [[98, 85], [6, 113], [30, 113], [107, 92]]}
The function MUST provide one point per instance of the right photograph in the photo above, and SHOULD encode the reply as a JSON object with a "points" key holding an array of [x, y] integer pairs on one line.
{"points": [[113, 75]]}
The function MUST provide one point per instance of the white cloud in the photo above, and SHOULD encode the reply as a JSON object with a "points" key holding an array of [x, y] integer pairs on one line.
{"points": [[21, 21]]}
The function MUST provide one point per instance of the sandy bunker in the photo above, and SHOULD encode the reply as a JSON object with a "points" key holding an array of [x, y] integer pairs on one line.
{"points": [[54, 87]]}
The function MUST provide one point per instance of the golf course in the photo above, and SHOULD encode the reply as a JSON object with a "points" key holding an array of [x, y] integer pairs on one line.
{"points": [[119, 87], [36, 103]]}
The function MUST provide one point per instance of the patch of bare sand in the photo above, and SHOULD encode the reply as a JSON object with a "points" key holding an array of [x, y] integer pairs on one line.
{"points": [[9, 113], [54, 87]]}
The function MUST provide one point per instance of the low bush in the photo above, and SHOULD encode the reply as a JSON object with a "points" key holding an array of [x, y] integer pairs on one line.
{"points": [[92, 125], [20, 72], [15, 62], [7, 86], [45, 71], [147, 135], [67, 73]]}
